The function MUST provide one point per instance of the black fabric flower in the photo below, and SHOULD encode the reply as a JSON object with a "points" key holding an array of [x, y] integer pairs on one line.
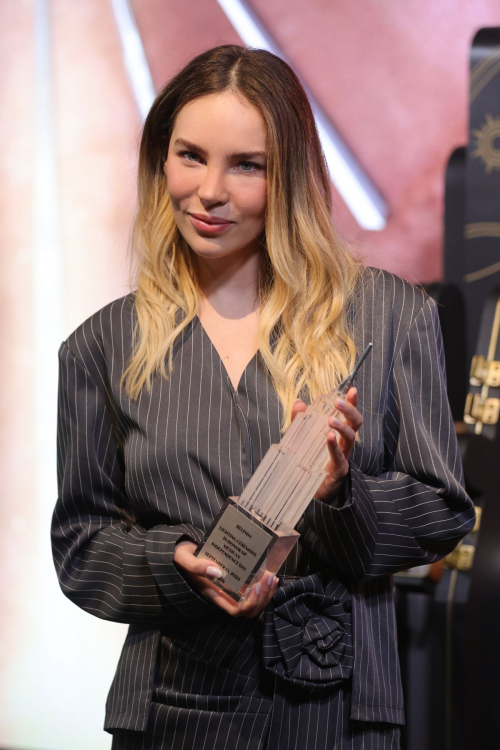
{"points": [[308, 632]]}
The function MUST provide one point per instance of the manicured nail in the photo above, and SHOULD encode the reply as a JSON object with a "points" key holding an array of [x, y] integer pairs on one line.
{"points": [[212, 594], [270, 580], [276, 581], [257, 588], [335, 422], [214, 572], [341, 403]]}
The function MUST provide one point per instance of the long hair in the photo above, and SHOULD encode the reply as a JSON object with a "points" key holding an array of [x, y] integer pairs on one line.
{"points": [[307, 276]]}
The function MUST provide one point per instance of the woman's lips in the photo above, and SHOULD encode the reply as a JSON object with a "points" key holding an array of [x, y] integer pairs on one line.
{"points": [[209, 228]]}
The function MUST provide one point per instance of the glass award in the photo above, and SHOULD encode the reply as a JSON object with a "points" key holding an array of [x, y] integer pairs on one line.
{"points": [[255, 532]]}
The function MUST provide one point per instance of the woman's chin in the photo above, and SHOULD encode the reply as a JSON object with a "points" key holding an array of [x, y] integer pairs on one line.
{"points": [[212, 249]]}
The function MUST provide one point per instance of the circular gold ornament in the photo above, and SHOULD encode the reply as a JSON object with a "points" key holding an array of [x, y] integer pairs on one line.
{"points": [[488, 143]]}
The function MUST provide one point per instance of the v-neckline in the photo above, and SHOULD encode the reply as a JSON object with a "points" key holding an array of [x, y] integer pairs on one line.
{"points": [[221, 361]]}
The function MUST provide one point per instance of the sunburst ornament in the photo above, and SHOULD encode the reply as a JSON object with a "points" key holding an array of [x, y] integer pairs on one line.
{"points": [[488, 143]]}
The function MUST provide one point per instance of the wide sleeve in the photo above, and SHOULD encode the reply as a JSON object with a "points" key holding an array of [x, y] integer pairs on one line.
{"points": [[106, 562], [417, 511]]}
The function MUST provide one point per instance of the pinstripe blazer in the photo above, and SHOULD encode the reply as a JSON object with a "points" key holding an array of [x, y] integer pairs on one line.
{"points": [[136, 477]]}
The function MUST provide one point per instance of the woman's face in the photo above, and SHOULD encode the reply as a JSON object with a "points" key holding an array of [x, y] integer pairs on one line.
{"points": [[216, 174]]}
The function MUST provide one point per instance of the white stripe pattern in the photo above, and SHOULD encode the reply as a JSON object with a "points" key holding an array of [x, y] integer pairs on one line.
{"points": [[136, 477]]}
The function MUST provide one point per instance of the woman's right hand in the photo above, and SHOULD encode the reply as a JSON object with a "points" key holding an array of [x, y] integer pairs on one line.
{"points": [[200, 573]]}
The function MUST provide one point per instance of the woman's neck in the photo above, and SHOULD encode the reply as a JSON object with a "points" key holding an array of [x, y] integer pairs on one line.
{"points": [[229, 285]]}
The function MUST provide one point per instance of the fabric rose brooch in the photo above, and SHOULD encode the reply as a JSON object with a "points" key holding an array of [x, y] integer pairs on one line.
{"points": [[308, 632]]}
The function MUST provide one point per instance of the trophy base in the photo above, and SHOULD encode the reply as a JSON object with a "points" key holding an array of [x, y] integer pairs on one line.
{"points": [[243, 547]]}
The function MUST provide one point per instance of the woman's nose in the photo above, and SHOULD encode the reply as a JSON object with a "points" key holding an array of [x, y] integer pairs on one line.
{"points": [[212, 188]]}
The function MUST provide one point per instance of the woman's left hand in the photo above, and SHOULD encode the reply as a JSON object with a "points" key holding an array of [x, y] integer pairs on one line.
{"points": [[340, 448]]}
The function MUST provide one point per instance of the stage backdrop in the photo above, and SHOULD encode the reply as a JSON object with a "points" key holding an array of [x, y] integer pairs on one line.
{"points": [[392, 79]]}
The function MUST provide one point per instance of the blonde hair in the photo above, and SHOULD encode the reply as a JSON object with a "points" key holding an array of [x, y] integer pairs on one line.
{"points": [[307, 277]]}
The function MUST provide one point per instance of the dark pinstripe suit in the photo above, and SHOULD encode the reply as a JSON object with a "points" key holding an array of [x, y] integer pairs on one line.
{"points": [[136, 477]]}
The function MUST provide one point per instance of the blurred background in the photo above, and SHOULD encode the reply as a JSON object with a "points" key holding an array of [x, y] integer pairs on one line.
{"points": [[390, 83]]}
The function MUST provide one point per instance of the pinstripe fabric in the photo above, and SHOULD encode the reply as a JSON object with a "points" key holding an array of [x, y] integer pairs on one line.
{"points": [[307, 639], [136, 477]]}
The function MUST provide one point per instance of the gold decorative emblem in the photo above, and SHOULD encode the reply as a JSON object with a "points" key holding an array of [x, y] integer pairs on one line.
{"points": [[488, 143]]}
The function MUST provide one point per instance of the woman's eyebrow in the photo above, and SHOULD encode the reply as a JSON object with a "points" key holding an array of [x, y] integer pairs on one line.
{"points": [[243, 155]]}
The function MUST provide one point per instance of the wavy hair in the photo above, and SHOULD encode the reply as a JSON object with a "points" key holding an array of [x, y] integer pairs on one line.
{"points": [[308, 276]]}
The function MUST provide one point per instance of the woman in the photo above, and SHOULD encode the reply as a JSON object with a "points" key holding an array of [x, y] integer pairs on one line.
{"points": [[247, 307]]}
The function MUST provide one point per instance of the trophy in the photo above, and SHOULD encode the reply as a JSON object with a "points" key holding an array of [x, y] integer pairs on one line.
{"points": [[255, 531]]}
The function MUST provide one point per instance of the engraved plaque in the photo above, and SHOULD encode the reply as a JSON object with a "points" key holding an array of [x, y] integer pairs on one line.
{"points": [[238, 546]]}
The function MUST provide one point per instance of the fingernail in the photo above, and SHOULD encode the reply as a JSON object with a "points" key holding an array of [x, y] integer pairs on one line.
{"points": [[214, 572], [276, 581], [270, 580], [341, 403], [297, 402], [257, 588], [212, 594], [335, 422]]}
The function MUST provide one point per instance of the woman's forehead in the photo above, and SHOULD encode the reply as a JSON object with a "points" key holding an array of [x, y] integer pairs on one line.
{"points": [[223, 119]]}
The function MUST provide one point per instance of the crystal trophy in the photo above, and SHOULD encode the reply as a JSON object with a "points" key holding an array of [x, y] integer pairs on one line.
{"points": [[255, 531]]}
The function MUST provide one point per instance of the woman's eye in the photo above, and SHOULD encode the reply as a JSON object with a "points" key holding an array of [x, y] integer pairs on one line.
{"points": [[189, 155], [248, 166]]}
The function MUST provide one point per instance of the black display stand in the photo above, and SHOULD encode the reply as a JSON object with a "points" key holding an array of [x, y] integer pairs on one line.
{"points": [[472, 262]]}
